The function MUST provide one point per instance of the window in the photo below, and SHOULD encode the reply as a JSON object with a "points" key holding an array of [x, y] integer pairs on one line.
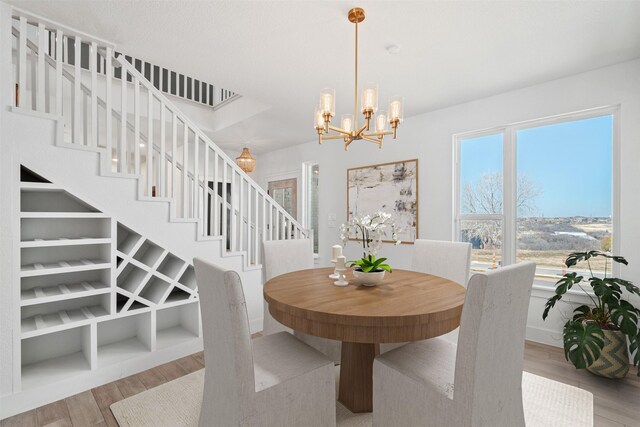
{"points": [[537, 191], [311, 177]]}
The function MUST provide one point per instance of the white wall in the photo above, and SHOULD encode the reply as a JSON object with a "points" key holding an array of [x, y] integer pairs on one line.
{"points": [[428, 137]]}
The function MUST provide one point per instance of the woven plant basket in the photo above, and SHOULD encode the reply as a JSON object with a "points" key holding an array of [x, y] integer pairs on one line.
{"points": [[614, 359]]}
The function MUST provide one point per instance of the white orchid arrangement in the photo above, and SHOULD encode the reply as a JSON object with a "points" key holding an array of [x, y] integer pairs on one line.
{"points": [[371, 229]]}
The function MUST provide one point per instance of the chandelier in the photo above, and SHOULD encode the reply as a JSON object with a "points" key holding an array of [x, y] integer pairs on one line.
{"points": [[245, 161], [349, 129]]}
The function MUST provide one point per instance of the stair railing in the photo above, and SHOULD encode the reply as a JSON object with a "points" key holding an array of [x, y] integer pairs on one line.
{"points": [[144, 134]]}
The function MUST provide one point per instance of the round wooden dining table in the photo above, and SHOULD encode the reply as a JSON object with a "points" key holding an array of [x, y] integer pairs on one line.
{"points": [[406, 306]]}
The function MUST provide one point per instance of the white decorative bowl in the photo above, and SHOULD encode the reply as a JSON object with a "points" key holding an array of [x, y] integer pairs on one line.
{"points": [[368, 279]]}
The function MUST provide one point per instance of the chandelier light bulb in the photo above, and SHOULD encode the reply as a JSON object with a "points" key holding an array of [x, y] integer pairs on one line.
{"points": [[318, 119], [370, 97], [381, 121], [328, 102], [347, 122], [395, 109]]}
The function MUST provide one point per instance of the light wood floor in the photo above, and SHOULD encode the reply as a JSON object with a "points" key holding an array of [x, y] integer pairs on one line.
{"points": [[616, 403]]}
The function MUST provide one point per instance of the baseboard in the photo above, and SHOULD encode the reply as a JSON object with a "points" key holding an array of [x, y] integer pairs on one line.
{"points": [[544, 336], [29, 399], [255, 325]]}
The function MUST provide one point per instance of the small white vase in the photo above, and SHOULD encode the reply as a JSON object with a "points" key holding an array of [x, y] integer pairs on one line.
{"points": [[368, 279]]}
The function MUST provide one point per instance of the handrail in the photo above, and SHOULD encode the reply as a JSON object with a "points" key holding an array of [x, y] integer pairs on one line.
{"points": [[87, 91], [253, 215], [202, 136], [168, 157], [65, 29]]}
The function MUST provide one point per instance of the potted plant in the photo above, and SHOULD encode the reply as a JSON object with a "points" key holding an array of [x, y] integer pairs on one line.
{"points": [[371, 229], [596, 337]]}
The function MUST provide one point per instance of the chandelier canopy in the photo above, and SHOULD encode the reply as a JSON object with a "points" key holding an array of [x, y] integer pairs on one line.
{"points": [[245, 161], [349, 129]]}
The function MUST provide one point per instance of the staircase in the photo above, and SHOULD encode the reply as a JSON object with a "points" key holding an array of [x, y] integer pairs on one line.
{"points": [[101, 283], [108, 106]]}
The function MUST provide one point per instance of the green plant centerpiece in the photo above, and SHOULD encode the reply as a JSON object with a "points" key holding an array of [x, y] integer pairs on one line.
{"points": [[595, 338], [371, 230]]}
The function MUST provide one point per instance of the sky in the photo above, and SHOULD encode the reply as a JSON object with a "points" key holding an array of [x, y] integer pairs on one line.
{"points": [[570, 163]]}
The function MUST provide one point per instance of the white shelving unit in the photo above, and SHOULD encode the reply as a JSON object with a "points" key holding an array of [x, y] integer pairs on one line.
{"points": [[94, 293]]}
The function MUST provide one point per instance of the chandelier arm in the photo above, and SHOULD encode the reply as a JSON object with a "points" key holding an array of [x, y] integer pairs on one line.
{"points": [[378, 134], [362, 129], [375, 141], [342, 131], [325, 137]]}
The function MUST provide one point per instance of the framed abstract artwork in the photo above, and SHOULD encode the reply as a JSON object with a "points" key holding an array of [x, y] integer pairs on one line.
{"points": [[389, 187]]}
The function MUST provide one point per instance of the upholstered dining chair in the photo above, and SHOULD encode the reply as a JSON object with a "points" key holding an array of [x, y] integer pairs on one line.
{"points": [[476, 383], [284, 256], [450, 260], [271, 380]]}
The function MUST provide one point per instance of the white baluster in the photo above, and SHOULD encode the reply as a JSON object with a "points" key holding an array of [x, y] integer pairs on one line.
{"points": [[271, 227], [162, 162], [185, 172], [149, 143], [22, 63], [59, 95], [77, 92], [232, 211], [216, 202], [108, 108], [42, 51], [264, 218], [123, 155], [205, 190], [241, 211], [255, 229], [249, 242], [136, 126], [85, 118], [93, 66], [174, 158], [196, 177], [224, 200]]}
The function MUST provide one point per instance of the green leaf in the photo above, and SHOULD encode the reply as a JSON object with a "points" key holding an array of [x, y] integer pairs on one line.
{"points": [[624, 316], [605, 290], [576, 257], [567, 281], [581, 312], [549, 305], [583, 343], [386, 267], [367, 268]]}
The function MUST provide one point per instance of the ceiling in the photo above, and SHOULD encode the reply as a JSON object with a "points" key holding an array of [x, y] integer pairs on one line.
{"points": [[283, 52]]}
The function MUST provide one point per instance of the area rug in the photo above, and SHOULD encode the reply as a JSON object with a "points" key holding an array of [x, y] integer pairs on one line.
{"points": [[177, 404]]}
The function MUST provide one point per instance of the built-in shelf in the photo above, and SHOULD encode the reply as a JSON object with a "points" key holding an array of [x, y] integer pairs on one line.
{"points": [[53, 370], [171, 266], [63, 215], [188, 278], [39, 186], [39, 269], [63, 319], [41, 295], [177, 325], [124, 338], [149, 253], [93, 292], [63, 241], [55, 356]]}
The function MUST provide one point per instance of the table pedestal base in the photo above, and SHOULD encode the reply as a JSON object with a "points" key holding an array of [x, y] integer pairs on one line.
{"points": [[356, 376]]}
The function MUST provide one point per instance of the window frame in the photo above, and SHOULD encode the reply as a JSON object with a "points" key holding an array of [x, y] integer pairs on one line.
{"points": [[305, 205], [509, 173]]}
